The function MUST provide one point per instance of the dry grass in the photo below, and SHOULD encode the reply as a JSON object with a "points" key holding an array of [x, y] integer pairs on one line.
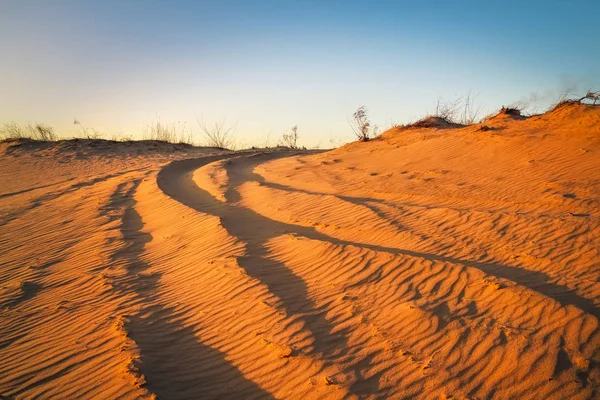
{"points": [[89, 133], [449, 114], [462, 111], [169, 134], [35, 132]]}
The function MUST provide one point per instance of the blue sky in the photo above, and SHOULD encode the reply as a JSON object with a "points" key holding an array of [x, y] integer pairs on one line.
{"points": [[265, 66]]}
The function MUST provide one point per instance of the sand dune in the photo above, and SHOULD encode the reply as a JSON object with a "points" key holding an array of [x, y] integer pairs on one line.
{"points": [[429, 263]]}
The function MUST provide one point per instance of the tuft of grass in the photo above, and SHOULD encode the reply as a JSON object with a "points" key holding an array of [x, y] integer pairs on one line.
{"points": [[89, 133], [35, 132], [160, 132], [168, 134]]}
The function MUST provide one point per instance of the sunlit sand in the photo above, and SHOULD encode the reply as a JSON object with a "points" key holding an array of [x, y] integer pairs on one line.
{"points": [[439, 262]]}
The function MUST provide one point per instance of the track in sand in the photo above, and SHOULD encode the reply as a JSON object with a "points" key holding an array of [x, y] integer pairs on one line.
{"points": [[306, 275]]}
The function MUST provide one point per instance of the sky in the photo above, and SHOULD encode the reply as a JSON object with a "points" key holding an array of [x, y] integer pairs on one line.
{"points": [[265, 66]]}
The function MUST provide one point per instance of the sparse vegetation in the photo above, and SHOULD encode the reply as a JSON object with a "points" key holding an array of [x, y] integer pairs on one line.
{"points": [[564, 100], [449, 114], [122, 138], [453, 114], [164, 133], [36, 132], [361, 126], [89, 133], [336, 141], [510, 111], [265, 142], [590, 95], [290, 139], [160, 132], [515, 111], [433, 122], [461, 111], [218, 135]]}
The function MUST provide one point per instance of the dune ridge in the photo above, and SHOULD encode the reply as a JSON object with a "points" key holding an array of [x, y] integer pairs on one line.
{"points": [[428, 263]]}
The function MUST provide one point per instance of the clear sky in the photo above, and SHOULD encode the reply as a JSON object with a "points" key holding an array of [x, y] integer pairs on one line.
{"points": [[119, 65]]}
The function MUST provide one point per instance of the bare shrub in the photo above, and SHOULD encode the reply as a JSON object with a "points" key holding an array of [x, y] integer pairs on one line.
{"points": [[461, 111], [291, 139], [36, 132], [590, 95], [564, 99], [447, 110], [218, 135], [361, 126]]}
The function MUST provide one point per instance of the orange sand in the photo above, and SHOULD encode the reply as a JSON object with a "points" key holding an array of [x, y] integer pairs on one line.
{"points": [[430, 263]]}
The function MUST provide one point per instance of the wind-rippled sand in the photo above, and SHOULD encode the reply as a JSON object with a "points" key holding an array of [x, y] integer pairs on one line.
{"points": [[430, 263]]}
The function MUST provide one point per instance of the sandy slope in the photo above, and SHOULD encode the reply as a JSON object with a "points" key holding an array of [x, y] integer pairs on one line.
{"points": [[431, 263]]}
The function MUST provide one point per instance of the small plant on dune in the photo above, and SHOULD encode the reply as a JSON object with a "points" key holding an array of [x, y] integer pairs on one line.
{"points": [[565, 95], [122, 138], [36, 132], [291, 139], [470, 112], [218, 135], [590, 95], [10, 130], [595, 96], [361, 126], [461, 111], [511, 110], [174, 134], [336, 141], [565, 99], [89, 133], [44, 132], [160, 132], [446, 110], [265, 142]]}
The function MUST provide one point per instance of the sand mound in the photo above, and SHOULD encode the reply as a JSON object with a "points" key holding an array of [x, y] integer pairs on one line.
{"points": [[433, 122], [429, 263]]}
